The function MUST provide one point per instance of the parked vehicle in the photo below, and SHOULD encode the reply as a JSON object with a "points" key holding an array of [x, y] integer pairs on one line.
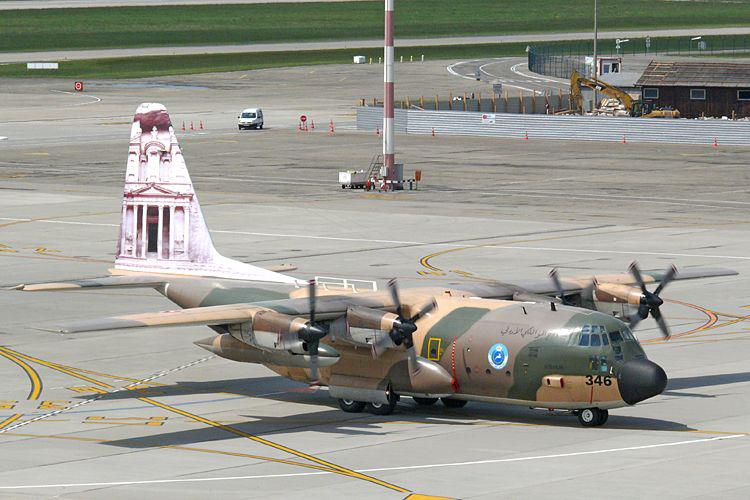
{"points": [[250, 118]]}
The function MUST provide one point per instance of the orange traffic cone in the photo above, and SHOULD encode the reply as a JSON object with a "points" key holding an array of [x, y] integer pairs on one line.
{"points": [[191, 126], [716, 143], [623, 140], [183, 126], [312, 124], [525, 135], [330, 127]]}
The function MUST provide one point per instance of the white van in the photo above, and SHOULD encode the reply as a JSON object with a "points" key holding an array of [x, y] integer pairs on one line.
{"points": [[250, 118]]}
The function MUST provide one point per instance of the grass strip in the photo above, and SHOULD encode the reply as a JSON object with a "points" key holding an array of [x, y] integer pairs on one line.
{"points": [[119, 27], [142, 67]]}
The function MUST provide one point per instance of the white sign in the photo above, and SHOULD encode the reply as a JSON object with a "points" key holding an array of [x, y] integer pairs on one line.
{"points": [[488, 118], [47, 65]]}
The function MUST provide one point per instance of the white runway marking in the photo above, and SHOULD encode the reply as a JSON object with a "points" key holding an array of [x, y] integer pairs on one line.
{"points": [[453, 72], [515, 70], [421, 243], [96, 99], [379, 469], [507, 83]]}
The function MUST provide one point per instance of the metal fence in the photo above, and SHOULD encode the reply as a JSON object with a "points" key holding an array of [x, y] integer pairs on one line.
{"points": [[582, 128], [561, 58]]}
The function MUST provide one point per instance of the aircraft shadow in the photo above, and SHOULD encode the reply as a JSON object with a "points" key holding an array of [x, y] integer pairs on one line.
{"points": [[707, 380], [333, 421]]}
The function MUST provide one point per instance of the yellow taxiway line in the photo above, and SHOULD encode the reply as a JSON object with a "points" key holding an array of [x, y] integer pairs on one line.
{"points": [[322, 463], [36, 381], [10, 420]]}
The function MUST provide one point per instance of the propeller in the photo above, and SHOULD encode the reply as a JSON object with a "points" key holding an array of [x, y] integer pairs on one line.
{"points": [[555, 277], [312, 332], [650, 301], [403, 328]]}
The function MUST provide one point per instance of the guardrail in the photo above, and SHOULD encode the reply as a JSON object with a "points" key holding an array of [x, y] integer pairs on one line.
{"points": [[582, 128]]}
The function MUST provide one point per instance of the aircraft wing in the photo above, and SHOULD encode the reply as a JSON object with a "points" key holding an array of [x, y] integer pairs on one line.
{"points": [[206, 316], [579, 283]]}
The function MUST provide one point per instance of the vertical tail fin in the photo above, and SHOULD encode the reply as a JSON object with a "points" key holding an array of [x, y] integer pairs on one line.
{"points": [[162, 228]]}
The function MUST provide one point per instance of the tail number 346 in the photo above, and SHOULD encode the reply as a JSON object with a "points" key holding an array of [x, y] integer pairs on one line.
{"points": [[598, 380]]}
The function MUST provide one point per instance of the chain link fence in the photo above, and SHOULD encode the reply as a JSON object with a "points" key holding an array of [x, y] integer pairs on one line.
{"points": [[559, 59]]}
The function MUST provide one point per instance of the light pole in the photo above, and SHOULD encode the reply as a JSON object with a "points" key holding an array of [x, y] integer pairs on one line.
{"points": [[618, 42], [596, 36], [695, 39], [596, 63]]}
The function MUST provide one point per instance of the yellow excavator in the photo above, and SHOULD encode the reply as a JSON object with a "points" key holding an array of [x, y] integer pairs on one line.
{"points": [[634, 107]]}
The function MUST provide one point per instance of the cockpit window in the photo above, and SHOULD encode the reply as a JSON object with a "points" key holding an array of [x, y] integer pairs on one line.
{"points": [[605, 339], [584, 340], [596, 340], [615, 336]]}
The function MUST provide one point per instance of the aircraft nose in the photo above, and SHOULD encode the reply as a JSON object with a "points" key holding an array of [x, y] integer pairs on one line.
{"points": [[640, 379]]}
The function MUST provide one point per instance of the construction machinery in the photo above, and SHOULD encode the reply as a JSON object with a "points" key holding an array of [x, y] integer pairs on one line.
{"points": [[627, 105]]}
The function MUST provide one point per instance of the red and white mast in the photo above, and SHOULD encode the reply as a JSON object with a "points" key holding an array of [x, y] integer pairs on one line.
{"points": [[388, 143]]}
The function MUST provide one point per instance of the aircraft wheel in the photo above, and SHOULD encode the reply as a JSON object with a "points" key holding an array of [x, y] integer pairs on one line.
{"points": [[350, 406], [425, 401], [592, 417], [454, 403], [384, 408], [381, 408]]}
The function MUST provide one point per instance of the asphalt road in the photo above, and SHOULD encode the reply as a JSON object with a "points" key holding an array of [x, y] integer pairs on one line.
{"points": [[349, 44], [511, 72]]}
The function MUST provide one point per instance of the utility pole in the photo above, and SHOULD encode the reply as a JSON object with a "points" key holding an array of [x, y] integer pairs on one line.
{"points": [[388, 132], [596, 36]]}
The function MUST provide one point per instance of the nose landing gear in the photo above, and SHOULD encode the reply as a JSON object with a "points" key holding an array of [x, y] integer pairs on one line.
{"points": [[592, 417]]}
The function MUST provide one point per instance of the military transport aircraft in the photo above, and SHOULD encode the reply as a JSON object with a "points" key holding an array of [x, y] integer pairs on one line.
{"points": [[563, 344]]}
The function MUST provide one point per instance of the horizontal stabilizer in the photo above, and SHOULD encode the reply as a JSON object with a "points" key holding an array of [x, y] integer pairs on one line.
{"points": [[203, 316], [105, 282]]}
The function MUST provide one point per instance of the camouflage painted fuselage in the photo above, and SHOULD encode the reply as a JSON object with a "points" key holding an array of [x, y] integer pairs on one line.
{"points": [[542, 364]]}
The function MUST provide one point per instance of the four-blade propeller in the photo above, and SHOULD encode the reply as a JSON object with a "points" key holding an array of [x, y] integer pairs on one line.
{"points": [[650, 301], [555, 277], [312, 333], [404, 328]]}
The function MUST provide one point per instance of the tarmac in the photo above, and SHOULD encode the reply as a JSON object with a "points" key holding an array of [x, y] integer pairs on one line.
{"points": [[486, 209]]}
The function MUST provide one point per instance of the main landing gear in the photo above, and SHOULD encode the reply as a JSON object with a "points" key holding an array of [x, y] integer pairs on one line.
{"points": [[351, 406], [592, 417]]}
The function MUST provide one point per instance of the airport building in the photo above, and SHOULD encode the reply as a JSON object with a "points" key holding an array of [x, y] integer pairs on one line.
{"points": [[698, 89]]}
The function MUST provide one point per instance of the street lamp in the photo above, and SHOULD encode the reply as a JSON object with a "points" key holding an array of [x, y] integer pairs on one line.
{"points": [[695, 39], [618, 42]]}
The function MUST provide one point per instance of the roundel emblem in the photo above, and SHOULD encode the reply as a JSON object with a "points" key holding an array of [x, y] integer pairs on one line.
{"points": [[498, 356]]}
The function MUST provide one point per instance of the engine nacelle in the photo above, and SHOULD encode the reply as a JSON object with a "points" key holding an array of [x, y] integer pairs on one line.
{"points": [[270, 331], [621, 301]]}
